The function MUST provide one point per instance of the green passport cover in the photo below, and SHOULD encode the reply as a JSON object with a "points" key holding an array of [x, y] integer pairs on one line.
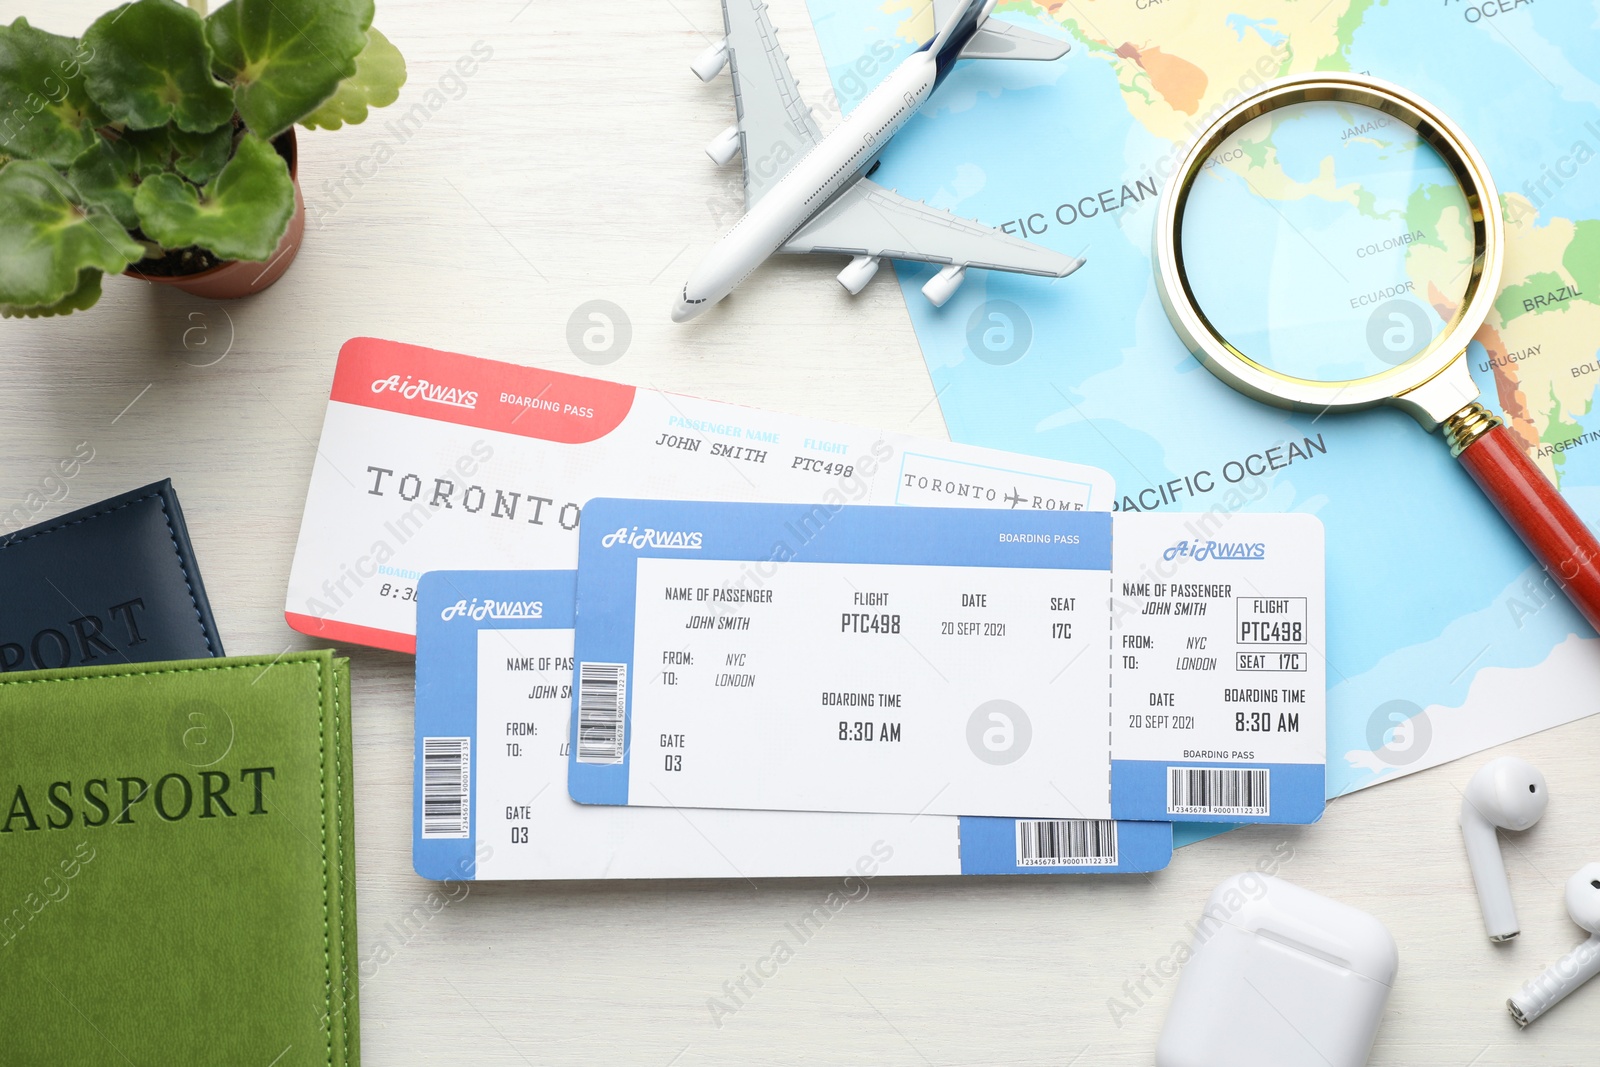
{"points": [[177, 866]]}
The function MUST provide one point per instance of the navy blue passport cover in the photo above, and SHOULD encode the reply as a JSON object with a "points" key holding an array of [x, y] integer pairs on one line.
{"points": [[114, 582]]}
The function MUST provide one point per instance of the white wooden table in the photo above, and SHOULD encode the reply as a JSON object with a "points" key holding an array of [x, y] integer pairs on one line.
{"points": [[570, 168]]}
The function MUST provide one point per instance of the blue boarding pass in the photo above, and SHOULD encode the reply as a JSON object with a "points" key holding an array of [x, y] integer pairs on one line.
{"points": [[1219, 671], [933, 661], [494, 680]]}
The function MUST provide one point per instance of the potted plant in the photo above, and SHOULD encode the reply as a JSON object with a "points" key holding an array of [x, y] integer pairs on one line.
{"points": [[162, 144]]}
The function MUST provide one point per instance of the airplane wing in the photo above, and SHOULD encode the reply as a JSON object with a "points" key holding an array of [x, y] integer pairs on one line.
{"points": [[1002, 40], [869, 220], [775, 126]]}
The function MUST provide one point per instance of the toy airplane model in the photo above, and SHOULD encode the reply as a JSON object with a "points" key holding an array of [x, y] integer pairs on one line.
{"points": [[808, 193]]}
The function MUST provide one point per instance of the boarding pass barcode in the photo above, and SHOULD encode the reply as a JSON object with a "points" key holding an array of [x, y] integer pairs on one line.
{"points": [[602, 696], [446, 785], [1066, 843], [1218, 791]]}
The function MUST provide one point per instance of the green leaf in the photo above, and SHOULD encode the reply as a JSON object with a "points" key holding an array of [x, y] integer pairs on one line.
{"points": [[197, 156], [285, 57], [380, 72], [48, 237], [241, 214], [200, 156], [45, 112], [82, 298], [106, 176], [151, 67], [110, 171]]}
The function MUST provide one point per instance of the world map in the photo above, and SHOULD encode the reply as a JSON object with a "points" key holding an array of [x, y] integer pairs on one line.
{"points": [[1444, 636], [1327, 241]]}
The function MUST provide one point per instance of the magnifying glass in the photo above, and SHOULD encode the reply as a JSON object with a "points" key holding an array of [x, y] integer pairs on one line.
{"points": [[1332, 242]]}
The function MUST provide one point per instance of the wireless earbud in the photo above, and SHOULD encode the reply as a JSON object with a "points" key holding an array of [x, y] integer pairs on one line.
{"points": [[1577, 966], [1508, 793]]}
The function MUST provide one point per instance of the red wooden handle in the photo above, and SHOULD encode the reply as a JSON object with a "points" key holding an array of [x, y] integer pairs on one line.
{"points": [[1554, 534]]}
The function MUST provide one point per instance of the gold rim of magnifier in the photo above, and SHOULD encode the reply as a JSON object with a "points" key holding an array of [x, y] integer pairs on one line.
{"points": [[1283, 390]]}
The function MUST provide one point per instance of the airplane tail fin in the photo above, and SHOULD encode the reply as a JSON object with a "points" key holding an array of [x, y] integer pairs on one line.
{"points": [[957, 18]]}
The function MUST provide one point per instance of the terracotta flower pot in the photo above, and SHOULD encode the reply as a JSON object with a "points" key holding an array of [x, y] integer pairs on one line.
{"points": [[239, 277]]}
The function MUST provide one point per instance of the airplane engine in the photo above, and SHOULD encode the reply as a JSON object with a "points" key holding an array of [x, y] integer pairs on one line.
{"points": [[724, 146], [943, 286], [857, 273], [709, 64]]}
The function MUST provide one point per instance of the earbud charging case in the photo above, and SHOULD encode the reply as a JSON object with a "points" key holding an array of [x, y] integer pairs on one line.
{"points": [[1279, 977]]}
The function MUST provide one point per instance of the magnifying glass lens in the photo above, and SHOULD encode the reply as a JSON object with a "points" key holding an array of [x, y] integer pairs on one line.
{"points": [[1327, 241]]}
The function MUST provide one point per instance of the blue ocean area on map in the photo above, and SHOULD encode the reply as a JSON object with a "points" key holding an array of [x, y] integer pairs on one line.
{"points": [[1427, 587]]}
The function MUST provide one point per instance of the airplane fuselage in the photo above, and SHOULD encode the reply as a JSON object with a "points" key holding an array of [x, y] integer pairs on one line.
{"points": [[829, 167]]}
